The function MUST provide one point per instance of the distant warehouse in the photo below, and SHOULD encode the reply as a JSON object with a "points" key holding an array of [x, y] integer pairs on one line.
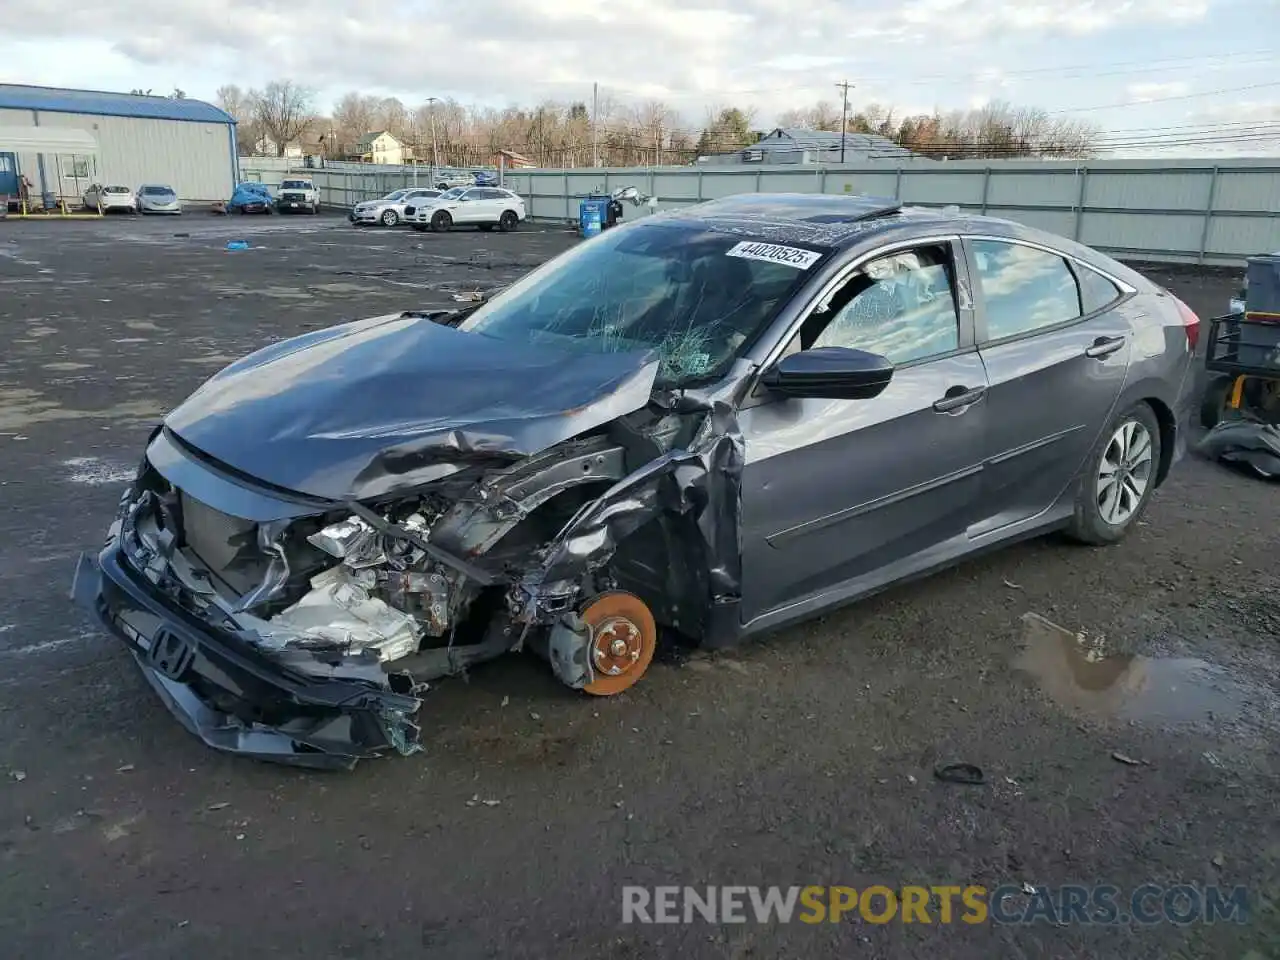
{"points": [[63, 141]]}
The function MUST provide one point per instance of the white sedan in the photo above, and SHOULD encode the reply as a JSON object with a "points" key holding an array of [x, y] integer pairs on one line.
{"points": [[106, 199], [390, 210], [482, 207]]}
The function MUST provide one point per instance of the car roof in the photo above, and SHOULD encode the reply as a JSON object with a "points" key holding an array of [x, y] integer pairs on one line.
{"points": [[841, 221]]}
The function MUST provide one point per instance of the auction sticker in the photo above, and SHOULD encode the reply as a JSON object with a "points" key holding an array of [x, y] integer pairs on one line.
{"points": [[775, 253]]}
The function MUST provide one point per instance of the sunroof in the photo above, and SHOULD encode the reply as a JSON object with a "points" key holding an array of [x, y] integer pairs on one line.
{"points": [[804, 207]]}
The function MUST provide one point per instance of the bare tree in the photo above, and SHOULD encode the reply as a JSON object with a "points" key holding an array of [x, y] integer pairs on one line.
{"points": [[354, 115], [821, 116], [284, 111]]}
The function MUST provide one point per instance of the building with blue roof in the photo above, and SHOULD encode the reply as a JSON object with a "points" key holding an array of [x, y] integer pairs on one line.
{"points": [[63, 141]]}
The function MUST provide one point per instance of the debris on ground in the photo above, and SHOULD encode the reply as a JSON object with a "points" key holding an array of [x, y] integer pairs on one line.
{"points": [[221, 805], [476, 801], [1247, 443], [473, 296], [18, 775], [1013, 586], [237, 244], [125, 768], [1127, 760], [960, 772]]}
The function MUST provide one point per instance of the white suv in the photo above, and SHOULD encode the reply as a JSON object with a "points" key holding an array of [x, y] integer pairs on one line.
{"points": [[298, 195], [482, 207]]}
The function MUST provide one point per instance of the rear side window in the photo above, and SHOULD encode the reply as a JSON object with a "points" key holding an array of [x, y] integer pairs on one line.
{"points": [[1024, 289], [1096, 291]]}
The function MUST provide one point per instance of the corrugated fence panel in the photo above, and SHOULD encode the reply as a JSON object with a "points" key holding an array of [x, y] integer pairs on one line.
{"points": [[1249, 190], [959, 187], [1243, 236], [1142, 231], [869, 183], [1125, 190], [1174, 210], [1055, 188], [1061, 222]]}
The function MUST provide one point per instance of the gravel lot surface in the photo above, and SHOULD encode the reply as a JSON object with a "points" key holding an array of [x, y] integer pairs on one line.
{"points": [[803, 758]]}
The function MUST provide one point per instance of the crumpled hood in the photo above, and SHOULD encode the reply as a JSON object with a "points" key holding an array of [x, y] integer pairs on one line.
{"points": [[365, 408]]}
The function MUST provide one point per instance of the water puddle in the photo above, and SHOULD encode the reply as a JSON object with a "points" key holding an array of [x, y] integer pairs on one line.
{"points": [[1078, 673]]}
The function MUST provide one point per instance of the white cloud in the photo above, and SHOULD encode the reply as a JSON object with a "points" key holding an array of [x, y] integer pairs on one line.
{"points": [[1146, 92], [694, 53]]}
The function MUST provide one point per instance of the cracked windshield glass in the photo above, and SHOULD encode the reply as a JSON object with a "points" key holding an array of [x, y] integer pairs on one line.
{"points": [[695, 295]]}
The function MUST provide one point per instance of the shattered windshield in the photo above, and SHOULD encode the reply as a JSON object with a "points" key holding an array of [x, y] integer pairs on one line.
{"points": [[697, 295]]}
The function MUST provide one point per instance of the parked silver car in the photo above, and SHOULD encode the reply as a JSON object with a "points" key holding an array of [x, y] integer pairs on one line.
{"points": [[389, 210], [721, 419], [158, 198], [106, 199]]}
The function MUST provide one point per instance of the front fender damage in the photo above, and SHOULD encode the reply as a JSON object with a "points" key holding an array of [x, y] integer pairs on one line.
{"points": [[354, 609]]}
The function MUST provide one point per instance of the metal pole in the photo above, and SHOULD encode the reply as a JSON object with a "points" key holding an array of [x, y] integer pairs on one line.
{"points": [[595, 136], [1208, 215], [1082, 174]]}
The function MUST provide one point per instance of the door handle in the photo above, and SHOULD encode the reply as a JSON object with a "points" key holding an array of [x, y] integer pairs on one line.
{"points": [[1104, 347], [958, 397]]}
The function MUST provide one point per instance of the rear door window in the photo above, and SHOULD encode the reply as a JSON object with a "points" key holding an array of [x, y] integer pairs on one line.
{"points": [[1024, 288]]}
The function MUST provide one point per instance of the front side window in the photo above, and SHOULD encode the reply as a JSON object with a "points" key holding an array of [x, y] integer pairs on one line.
{"points": [[1024, 288], [901, 306], [453, 193], [696, 295]]}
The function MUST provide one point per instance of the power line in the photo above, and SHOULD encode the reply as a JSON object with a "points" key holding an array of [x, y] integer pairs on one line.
{"points": [[1184, 96]]}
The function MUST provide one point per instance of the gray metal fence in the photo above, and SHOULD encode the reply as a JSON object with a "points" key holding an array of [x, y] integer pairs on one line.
{"points": [[1182, 211]]}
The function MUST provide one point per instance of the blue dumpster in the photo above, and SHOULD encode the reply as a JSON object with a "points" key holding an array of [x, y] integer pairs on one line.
{"points": [[591, 215]]}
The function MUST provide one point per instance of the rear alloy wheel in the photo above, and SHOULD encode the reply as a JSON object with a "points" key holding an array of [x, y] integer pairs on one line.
{"points": [[508, 221], [441, 222], [1119, 478], [389, 218], [623, 640]]}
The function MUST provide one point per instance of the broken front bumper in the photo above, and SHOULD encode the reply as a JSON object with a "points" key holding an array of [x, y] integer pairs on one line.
{"points": [[233, 697]]}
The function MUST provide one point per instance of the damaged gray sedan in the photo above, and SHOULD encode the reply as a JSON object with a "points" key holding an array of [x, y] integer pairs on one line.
{"points": [[714, 422]]}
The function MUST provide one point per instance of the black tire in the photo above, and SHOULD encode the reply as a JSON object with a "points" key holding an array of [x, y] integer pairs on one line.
{"points": [[389, 218], [442, 186], [1213, 404], [486, 227], [508, 221], [1088, 525], [441, 222]]}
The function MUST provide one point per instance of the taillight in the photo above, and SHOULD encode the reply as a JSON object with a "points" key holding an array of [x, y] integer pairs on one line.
{"points": [[1190, 323]]}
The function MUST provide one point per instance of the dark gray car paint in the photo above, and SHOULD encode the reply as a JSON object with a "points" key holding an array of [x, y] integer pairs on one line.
{"points": [[800, 505], [380, 406]]}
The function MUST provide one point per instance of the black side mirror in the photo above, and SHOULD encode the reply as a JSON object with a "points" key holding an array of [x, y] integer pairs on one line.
{"points": [[836, 373]]}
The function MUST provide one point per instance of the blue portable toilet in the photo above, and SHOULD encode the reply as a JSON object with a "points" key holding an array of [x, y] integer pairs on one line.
{"points": [[591, 215]]}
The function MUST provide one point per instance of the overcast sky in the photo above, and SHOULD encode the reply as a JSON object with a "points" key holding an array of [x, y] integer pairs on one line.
{"points": [[1135, 66]]}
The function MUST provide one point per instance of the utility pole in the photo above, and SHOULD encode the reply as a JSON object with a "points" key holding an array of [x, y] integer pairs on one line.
{"points": [[435, 155], [843, 86], [595, 112]]}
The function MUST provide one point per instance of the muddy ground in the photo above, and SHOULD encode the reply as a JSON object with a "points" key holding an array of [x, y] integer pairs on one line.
{"points": [[803, 758]]}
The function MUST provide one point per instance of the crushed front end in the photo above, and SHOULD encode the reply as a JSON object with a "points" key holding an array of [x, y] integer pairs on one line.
{"points": [[303, 630]]}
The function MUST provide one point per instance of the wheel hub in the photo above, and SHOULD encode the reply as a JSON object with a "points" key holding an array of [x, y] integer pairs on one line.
{"points": [[621, 641]]}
